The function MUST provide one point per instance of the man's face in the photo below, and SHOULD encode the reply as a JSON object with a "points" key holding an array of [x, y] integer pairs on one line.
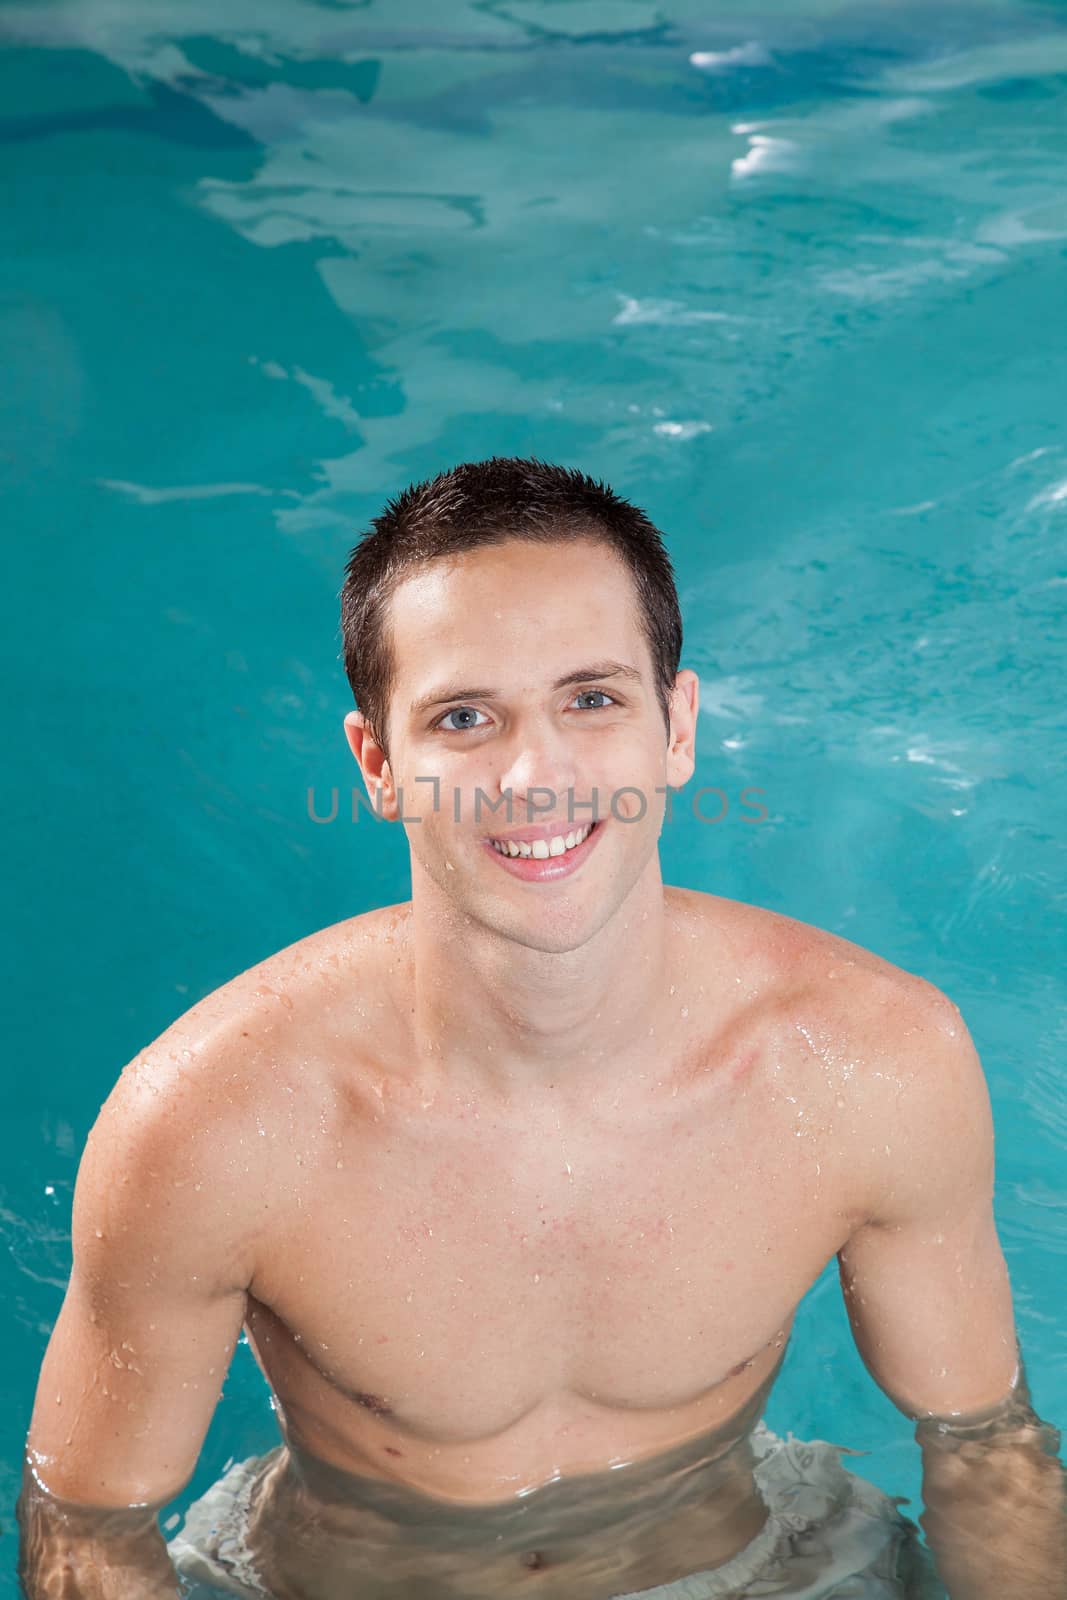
{"points": [[482, 643]]}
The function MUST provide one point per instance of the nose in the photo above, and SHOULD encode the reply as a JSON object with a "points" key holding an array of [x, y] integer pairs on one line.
{"points": [[539, 771]]}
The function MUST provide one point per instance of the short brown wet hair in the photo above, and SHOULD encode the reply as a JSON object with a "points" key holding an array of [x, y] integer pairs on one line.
{"points": [[482, 503]]}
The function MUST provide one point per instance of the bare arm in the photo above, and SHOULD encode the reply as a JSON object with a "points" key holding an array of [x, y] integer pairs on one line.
{"points": [[929, 1300], [136, 1360]]}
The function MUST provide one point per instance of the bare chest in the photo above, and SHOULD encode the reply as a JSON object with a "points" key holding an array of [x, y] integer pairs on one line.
{"points": [[466, 1276]]}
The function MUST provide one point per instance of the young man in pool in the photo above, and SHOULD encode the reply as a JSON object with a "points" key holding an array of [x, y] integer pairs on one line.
{"points": [[517, 1186]]}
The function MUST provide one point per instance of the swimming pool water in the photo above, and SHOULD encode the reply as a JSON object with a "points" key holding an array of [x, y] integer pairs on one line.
{"points": [[790, 276]]}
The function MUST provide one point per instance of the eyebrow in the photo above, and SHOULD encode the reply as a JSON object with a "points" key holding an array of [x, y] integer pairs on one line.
{"points": [[595, 669]]}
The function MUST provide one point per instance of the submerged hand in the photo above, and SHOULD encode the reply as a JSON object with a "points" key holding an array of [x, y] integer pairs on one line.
{"points": [[996, 1511], [74, 1552]]}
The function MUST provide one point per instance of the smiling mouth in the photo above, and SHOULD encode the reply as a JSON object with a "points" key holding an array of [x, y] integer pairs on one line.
{"points": [[559, 844]]}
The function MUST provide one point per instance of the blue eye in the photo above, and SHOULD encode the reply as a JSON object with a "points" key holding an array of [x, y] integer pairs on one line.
{"points": [[456, 712]]}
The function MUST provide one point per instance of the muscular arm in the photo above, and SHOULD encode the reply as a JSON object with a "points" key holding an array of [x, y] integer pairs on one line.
{"points": [[136, 1360], [929, 1300]]}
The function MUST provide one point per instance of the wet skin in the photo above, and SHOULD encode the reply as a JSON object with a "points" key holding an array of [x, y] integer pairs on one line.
{"points": [[507, 1319], [547, 1289], [514, 1338], [517, 1186]]}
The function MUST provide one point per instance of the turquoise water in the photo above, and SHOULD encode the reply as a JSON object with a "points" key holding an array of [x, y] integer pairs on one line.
{"points": [[791, 277]]}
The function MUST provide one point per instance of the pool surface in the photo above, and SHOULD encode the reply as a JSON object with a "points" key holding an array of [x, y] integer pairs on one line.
{"points": [[792, 277]]}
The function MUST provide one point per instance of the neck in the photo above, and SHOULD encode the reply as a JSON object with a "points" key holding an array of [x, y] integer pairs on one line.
{"points": [[517, 1018]]}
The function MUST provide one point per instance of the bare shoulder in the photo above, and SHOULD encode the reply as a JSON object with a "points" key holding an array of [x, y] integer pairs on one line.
{"points": [[260, 1013], [843, 1016], [896, 1026], [213, 1109], [787, 953], [884, 1063]]}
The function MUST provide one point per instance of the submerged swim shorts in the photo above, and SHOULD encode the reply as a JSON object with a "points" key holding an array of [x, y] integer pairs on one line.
{"points": [[829, 1535]]}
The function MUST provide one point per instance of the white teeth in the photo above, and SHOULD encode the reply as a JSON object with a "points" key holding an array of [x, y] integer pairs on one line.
{"points": [[541, 849]]}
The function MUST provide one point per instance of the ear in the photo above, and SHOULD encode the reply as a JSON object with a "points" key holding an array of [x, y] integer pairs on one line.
{"points": [[681, 746], [373, 764]]}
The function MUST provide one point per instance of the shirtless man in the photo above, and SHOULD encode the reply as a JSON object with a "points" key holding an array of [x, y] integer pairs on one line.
{"points": [[516, 1186]]}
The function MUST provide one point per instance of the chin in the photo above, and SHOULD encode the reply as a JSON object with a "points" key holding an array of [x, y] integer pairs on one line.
{"points": [[553, 931]]}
